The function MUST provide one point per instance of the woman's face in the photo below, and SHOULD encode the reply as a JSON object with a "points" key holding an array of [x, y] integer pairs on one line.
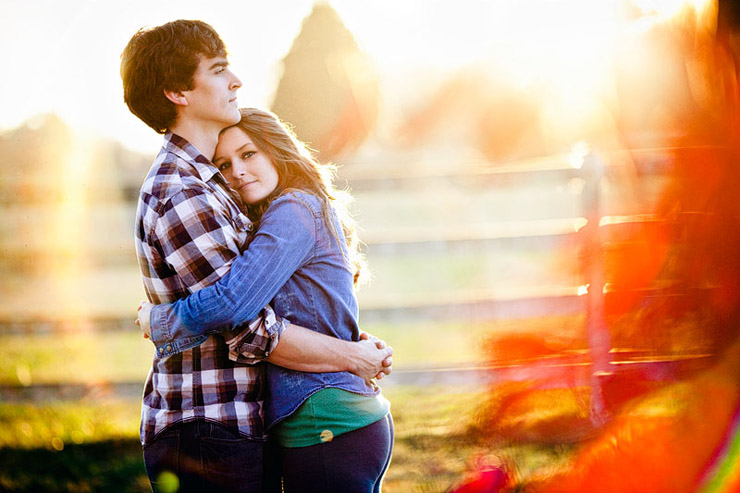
{"points": [[248, 169]]}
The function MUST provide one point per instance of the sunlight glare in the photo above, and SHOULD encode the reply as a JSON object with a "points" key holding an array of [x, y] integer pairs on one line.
{"points": [[666, 9], [69, 234], [578, 154], [579, 223]]}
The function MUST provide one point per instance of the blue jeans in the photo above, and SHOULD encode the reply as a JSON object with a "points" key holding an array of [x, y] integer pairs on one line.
{"points": [[202, 456], [354, 461]]}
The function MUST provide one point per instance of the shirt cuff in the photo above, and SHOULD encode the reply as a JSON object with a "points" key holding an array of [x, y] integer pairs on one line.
{"points": [[253, 342], [160, 332]]}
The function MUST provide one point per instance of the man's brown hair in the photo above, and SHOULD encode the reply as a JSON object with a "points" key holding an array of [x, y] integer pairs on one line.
{"points": [[164, 58]]}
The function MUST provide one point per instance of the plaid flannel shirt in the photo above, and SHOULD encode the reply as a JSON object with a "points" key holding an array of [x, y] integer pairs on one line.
{"points": [[189, 228]]}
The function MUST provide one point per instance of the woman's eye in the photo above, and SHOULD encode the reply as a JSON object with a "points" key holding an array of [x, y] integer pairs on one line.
{"points": [[224, 166], [248, 154]]}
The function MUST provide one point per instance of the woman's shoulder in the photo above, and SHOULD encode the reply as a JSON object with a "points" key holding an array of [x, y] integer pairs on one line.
{"points": [[297, 200]]}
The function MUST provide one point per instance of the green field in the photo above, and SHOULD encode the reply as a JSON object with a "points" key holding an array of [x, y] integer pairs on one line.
{"points": [[92, 444], [444, 432]]}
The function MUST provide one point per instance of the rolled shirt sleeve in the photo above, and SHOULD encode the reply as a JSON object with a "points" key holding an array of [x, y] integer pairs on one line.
{"points": [[254, 344]]}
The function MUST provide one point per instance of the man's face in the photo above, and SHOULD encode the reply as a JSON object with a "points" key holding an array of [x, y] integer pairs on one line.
{"points": [[213, 96]]}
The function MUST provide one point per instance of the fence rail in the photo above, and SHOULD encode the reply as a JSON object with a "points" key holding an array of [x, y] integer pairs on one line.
{"points": [[564, 370]]}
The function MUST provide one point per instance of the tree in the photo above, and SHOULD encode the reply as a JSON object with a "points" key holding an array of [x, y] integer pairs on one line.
{"points": [[329, 90]]}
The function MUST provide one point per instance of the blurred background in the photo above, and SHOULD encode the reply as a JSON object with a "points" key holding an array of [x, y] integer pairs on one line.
{"points": [[546, 191]]}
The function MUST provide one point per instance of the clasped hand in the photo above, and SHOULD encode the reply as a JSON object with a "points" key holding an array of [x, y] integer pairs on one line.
{"points": [[376, 349]]}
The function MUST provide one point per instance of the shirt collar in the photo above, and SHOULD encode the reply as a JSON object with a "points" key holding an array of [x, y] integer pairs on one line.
{"points": [[189, 153], [203, 166]]}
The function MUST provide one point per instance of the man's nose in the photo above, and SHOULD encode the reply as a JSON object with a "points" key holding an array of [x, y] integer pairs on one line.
{"points": [[235, 82]]}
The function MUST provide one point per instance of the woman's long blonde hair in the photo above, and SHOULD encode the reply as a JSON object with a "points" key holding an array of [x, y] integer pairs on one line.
{"points": [[297, 169]]}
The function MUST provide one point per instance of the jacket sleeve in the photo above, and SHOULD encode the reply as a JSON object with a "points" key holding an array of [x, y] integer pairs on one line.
{"points": [[284, 242]]}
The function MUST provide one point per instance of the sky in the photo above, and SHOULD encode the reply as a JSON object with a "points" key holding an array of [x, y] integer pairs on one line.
{"points": [[63, 57]]}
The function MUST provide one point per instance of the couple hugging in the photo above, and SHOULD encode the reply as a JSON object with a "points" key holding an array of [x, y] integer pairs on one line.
{"points": [[250, 261]]}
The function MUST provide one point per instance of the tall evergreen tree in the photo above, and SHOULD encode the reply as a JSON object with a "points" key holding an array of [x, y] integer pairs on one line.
{"points": [[329, 89]]}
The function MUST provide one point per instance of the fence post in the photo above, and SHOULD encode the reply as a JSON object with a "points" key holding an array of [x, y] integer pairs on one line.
{"points": [[597, 331]]}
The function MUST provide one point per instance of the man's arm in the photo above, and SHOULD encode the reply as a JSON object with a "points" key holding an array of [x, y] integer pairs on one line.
{"points": [[302, 349], [305, 350]]}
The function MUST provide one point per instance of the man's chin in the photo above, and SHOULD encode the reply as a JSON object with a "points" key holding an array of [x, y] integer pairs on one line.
{"points": [[229, 122]]}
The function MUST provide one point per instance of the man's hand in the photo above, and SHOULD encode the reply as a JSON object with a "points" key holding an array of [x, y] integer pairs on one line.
{"points": [[372, 359], [302, 349], [143, 320]]}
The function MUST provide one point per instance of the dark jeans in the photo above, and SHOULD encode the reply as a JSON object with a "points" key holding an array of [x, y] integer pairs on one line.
{"points": [[353, 462], [200, 456]]}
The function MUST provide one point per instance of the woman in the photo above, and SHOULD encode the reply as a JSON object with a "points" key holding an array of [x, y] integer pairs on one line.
{"points": [[334, 429]]}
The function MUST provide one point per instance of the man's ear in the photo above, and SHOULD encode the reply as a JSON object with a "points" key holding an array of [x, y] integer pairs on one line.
{"points": [[177, 97]]}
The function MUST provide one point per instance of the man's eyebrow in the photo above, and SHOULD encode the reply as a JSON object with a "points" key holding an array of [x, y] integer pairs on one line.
{"points": [[219, 64]]}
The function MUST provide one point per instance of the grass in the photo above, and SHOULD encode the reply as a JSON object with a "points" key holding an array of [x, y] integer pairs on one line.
{"points": [[104, 466], [64, 446], [56, 425], [432, 446], [443, 433], [93, 445], [74, 357]]}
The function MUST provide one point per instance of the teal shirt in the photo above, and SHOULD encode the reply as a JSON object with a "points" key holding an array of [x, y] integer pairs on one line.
{"points": [[328, 413]]}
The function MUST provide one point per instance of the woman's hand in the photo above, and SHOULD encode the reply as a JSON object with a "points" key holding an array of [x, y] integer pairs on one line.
{"points": [[381, 362], [145, 312]]}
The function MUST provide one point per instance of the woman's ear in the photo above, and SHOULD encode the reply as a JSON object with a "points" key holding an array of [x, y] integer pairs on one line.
{"points": [[177, 97]]}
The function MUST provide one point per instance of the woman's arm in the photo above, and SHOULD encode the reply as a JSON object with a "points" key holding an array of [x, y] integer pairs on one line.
{"points": [[282, 244], [302, 349]]}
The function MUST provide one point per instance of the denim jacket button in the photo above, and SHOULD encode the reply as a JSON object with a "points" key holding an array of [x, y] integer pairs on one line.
{"points": [[169, 348], [161, 350]]}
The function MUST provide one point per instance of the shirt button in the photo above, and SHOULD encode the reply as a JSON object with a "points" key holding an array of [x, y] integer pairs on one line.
{"points": [[326, 436], [169, 348], [250, 227]]}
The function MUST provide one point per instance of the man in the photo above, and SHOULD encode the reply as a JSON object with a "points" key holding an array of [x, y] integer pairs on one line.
{"points": [[201, 413]]}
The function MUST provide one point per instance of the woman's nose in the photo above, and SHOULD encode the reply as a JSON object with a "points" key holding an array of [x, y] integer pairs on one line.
{"points": [[239, 169]]}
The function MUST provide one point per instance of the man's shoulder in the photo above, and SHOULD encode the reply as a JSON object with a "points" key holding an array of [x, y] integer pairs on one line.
{"points": [[170, 175]]}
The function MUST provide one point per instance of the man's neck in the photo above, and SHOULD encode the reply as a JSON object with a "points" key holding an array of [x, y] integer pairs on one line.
{"points": [[203, 136]]}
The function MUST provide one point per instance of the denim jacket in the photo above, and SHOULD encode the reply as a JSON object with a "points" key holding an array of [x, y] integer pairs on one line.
{"points": [[299, 263]]}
